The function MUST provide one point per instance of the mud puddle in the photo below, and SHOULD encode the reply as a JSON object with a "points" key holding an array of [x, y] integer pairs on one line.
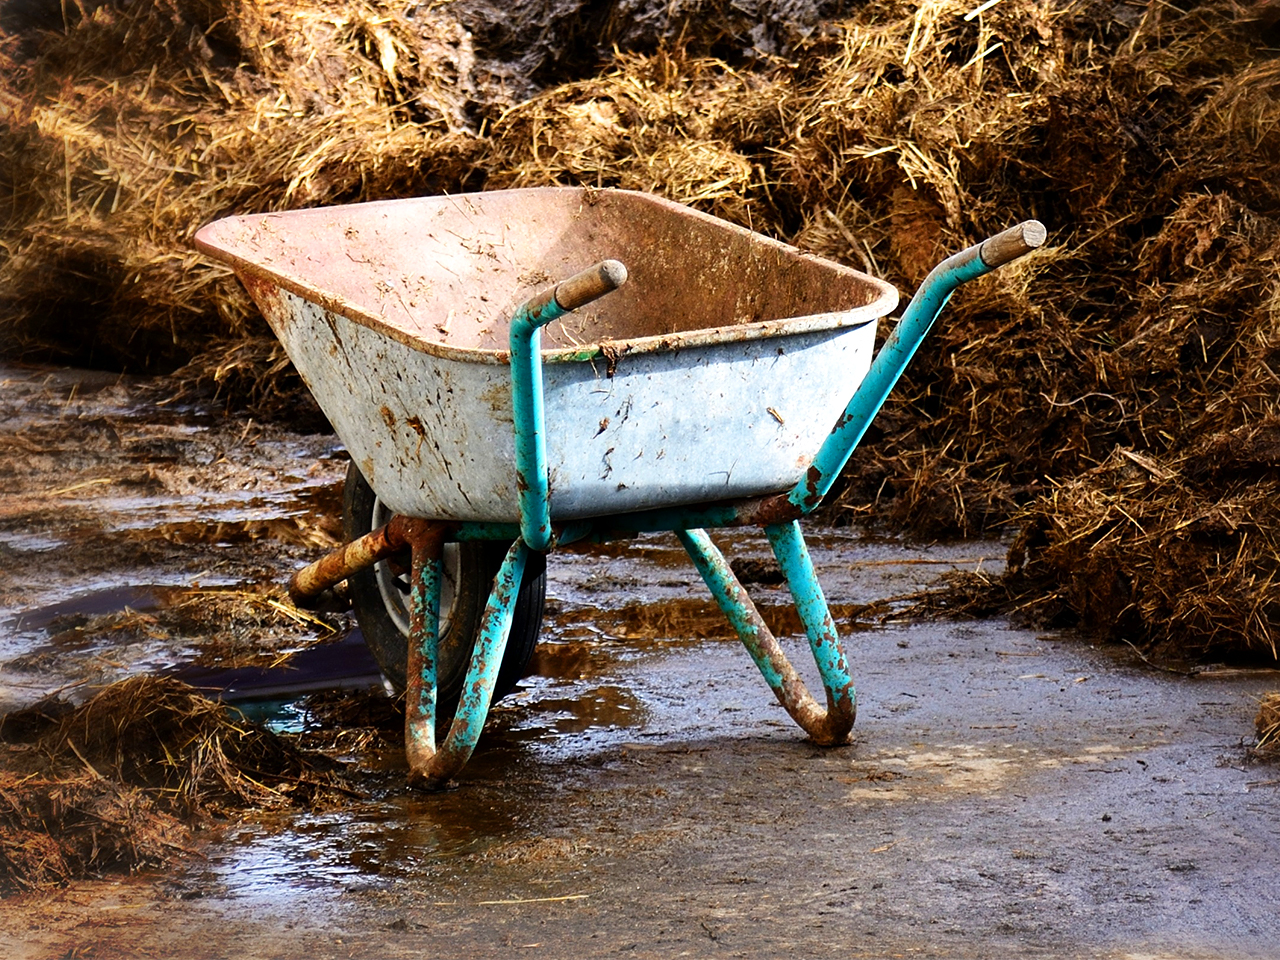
{"points": [[138, 534], [641, 794]]}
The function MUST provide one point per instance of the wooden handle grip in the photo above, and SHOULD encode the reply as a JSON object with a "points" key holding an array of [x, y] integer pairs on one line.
{"points": [[591, 284], [1013, 243]]}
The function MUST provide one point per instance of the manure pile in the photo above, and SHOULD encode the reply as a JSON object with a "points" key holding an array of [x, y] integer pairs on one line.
{"points": [[1114, 396]]}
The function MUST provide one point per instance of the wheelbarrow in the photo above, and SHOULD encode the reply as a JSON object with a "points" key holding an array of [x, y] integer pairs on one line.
{"points": [[700, 376]]}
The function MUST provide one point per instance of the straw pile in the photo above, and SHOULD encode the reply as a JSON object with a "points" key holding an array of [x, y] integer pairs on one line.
{"points": [[120, 781], [140, 122], [1113, 395]]}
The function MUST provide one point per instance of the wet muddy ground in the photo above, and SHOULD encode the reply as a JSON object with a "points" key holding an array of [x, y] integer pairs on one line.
{"points": [[1008, 793]]}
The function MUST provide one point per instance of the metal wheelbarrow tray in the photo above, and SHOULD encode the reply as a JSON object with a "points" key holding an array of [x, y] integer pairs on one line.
{"points": [[701, 391]]}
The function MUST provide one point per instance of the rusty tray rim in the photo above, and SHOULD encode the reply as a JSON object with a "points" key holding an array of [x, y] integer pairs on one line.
{"points": [[252, 273]]}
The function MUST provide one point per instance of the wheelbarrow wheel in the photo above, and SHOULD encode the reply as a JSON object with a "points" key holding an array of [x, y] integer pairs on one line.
{"points": [[380, 597]]}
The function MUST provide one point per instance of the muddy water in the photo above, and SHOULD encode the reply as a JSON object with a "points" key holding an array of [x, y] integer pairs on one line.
{"points": [[1007, 793]]}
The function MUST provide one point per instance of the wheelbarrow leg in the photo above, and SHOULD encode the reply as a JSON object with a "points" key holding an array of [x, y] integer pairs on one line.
{"points": [[424, 651], [428, 764], [826, 727]]}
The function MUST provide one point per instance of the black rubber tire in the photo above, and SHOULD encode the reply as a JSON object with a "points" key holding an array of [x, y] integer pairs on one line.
{"points": [[471, 568]]}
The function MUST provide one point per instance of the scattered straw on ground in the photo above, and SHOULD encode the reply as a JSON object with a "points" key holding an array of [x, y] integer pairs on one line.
{"points": [[120, 781], [227, 627], [1268, 723]]}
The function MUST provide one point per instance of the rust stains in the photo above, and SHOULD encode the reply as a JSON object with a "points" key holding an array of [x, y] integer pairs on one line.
{"points": [[611, 353]]}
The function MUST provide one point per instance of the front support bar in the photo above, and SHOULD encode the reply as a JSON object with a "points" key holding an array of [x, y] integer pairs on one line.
{"points": [[431, 766], [827, 727]]}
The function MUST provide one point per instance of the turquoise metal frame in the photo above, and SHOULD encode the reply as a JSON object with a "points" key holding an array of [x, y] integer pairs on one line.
{"points": [[438, 765], [778, 515], [533, 487]]}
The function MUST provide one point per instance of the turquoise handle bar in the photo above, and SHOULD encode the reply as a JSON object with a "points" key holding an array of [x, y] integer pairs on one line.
{"points": [[901, 347], [532, 484]]}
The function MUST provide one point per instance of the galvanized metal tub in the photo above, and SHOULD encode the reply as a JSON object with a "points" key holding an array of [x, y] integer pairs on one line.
{"points": [[716, 372]]}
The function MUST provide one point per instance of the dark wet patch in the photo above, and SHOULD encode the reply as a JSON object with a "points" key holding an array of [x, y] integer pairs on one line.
{"points": [[343, 664], [660, 548], [590, 708], [750, 570], [79, 610], [218, 628], [569, 660]]}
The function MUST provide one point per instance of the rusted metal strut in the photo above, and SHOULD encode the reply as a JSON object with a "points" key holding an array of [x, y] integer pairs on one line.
{"points": [[309, 585]]}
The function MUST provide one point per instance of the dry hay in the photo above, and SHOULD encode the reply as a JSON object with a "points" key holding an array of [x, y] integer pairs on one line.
{"points": [[120, 781], [141, 122], [1181, 554], [1145, 136], [1268, 724], [660, 123], [124, 127]]}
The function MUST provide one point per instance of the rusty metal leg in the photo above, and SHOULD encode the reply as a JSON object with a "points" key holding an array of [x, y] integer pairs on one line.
{"points": [[824, 641], [424, 644], [427, 764], [826, 727]]}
